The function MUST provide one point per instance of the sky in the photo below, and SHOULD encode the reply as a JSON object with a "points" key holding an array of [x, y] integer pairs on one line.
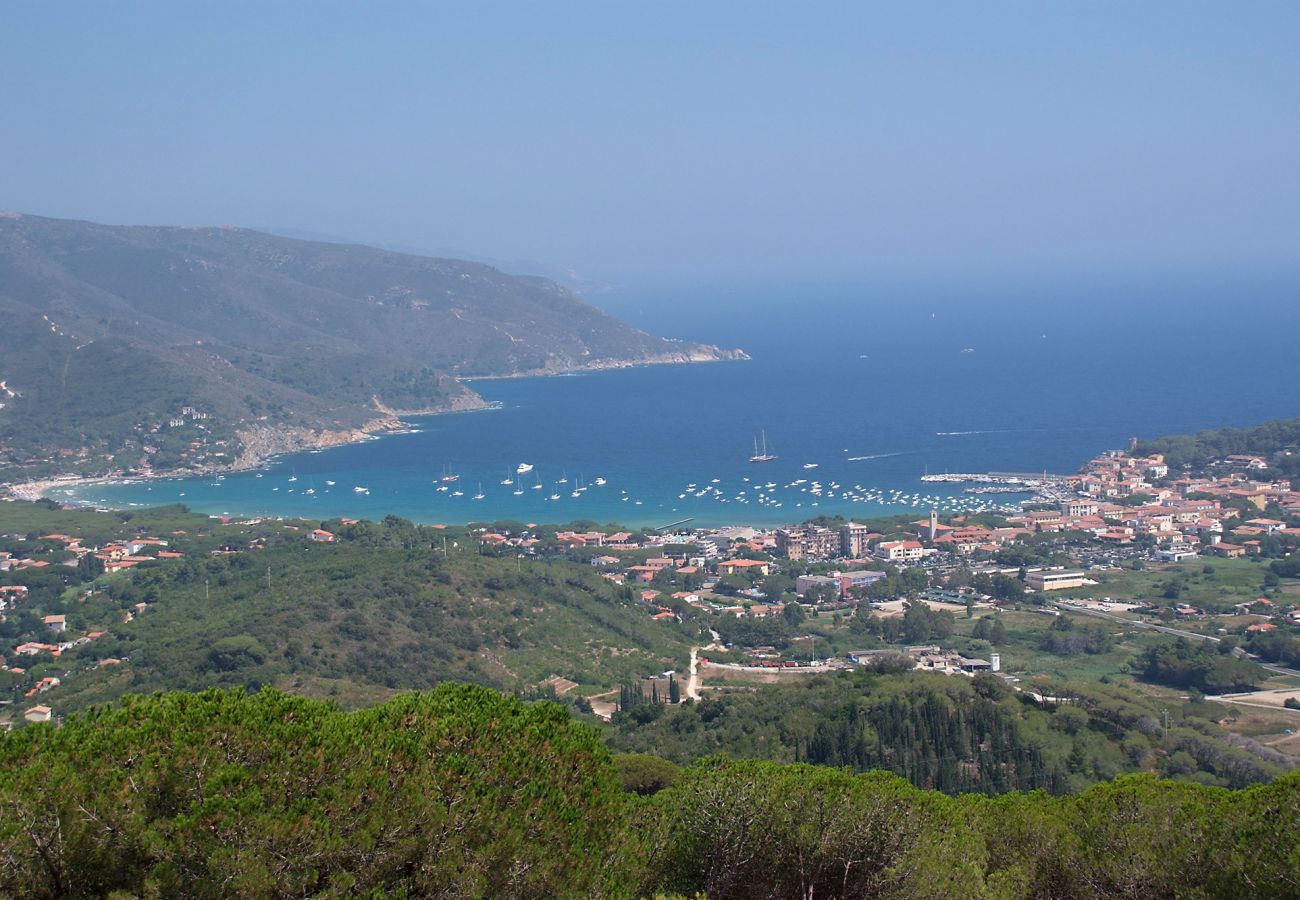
{"points": [[677, 140]]}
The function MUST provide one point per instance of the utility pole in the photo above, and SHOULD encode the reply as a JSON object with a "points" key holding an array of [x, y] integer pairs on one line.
{"points": [[268, 579], [207, 593], [1165, 737]]}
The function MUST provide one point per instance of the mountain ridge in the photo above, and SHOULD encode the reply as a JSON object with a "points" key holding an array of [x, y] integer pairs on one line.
{"points": [[114, 330]]}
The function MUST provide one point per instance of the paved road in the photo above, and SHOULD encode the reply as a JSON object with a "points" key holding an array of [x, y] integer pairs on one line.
{"points": [[1164, 629]]}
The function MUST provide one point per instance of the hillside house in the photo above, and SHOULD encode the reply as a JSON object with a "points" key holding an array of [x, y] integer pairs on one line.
{"points": [[38, 714], [744, 566]]}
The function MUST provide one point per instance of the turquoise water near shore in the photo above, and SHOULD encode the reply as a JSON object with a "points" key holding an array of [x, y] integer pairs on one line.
{"points": [[874, 384]]}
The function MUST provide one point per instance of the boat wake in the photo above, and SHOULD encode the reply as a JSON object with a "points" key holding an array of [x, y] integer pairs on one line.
{"points": [[873, 456], [989, 431]]}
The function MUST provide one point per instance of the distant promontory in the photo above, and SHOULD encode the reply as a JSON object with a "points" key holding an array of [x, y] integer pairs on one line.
{"points": [[172, 349]]}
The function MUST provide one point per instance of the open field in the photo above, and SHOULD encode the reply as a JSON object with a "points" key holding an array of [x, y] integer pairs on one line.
{"points": [[896, 608], [1023, 655], [1226, 582]]}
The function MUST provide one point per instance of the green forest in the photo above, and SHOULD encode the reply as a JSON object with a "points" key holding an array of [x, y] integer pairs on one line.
{"points": [[1271, 439], [953, 734], [462, 792]]}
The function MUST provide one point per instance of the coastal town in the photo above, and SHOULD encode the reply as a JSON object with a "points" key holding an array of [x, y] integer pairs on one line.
{"points": [[751, 588]]}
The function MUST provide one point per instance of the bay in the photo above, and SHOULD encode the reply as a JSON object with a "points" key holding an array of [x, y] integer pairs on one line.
{"points": [[873, 383]]}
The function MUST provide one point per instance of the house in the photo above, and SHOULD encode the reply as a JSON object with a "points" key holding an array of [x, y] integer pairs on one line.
{"points": [[744, 566], [320, 535], [31, 649], [38, 714], [643, 574], [12, 594], [56, 624], [1231, 551]]}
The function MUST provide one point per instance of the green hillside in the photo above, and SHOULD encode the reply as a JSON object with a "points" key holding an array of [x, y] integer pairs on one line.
{"points": [[1278, 441], [384, 608], [391, 606], [111, 331]]}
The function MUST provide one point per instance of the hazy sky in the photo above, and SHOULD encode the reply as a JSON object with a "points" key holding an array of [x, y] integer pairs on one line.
{"points": [[638, 141]]}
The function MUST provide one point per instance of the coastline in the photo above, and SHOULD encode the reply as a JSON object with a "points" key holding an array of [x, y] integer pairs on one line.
{"points": [[262, 443], [715, 355]]}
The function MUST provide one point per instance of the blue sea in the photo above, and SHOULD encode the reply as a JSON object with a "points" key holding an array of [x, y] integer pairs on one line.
{"points": [[873, 383]]}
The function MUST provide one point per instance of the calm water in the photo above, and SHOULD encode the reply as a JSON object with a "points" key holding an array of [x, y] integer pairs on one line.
{"points": [[876, 384]]}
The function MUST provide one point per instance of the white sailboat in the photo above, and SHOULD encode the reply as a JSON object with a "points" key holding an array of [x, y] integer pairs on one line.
{"points": [[480, 494], [762, 456]]}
